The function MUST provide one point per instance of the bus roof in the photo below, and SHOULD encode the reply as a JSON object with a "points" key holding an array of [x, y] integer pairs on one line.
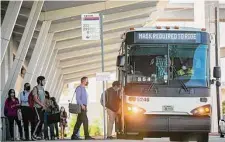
{"points": [[164, 28]]}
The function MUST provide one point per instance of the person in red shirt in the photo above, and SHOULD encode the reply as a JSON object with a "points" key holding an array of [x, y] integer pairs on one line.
{"points": [[10, 111]]}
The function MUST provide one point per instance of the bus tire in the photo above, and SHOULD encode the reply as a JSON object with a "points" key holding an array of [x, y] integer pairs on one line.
{"points": [[204, 137]]}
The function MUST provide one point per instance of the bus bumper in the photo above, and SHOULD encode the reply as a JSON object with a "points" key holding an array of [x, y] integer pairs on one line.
{"points": [[163, 123]]}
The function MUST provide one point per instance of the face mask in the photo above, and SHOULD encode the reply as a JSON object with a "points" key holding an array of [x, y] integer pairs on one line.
{"points": [[28, 88], [42, 83], [12, 94], [184, 67]]}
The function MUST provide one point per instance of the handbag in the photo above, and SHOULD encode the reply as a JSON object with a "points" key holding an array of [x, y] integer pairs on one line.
{"points": [[53, 118], [74, 108]]}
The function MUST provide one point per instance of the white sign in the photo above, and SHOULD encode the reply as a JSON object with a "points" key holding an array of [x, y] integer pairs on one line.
{"points": [[90, 26], [103, 76]]}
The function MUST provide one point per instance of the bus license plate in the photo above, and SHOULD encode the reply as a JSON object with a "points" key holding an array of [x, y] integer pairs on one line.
{"points": [[167, 108]]}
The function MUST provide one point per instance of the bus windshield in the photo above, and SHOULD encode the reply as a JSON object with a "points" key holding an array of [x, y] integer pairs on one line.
{"points": [[168, 64], [189, 64]]}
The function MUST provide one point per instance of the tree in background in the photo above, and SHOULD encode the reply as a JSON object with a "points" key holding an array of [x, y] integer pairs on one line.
{"points": [[223, 106], [94, 127]]}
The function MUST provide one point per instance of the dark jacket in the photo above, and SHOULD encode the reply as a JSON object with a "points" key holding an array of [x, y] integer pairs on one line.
{"points": [[112, 99]]}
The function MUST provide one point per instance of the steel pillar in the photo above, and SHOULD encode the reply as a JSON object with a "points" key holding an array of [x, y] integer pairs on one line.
{"points": [[8, 25]]}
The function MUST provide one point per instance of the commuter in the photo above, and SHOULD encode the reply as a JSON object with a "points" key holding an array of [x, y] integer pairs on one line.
{"points": [[11, 112], [81, 97], [48, 111], [63, 121], [27, 112], [112, 103], [39, 106], [55, 109]]}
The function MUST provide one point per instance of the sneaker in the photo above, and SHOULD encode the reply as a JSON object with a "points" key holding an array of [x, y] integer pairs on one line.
{"points": [[75, 138], [33, 138], [110, 137], [89, 138]]}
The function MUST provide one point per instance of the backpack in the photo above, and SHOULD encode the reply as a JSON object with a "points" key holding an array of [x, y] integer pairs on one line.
{"points": [[31, 98]]}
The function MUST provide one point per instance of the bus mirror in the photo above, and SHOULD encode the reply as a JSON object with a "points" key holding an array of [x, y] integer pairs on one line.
{"points": [[120, 61], [217, 72]]}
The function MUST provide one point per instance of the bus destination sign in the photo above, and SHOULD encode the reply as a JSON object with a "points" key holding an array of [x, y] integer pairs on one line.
{"points": [[161, 37]]}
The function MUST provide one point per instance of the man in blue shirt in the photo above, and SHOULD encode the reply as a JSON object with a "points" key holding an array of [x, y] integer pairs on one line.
{"points": [[81, 97]]}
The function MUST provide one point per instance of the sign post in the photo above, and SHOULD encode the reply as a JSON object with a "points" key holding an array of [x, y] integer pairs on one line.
{"points": [[92, 29]]}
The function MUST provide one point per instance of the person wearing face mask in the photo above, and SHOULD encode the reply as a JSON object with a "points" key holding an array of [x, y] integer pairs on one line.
{"points": [[48, 111], [112, 103], [63, 121], [81, 97], [27, 112], [10, 111], [39, 106]]}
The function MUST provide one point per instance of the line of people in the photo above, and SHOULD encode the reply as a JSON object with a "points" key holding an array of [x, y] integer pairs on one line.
{"points": [[34, 107]]}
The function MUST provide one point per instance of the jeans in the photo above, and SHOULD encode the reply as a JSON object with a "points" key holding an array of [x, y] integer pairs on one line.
{"points": [[46, 125]]}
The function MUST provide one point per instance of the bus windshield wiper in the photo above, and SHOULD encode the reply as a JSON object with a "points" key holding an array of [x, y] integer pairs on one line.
{"points": [[181, 82], [153, 85]]}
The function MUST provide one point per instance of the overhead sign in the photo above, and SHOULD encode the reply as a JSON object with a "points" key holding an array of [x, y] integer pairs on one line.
{"points": [[170, 37], [103, 76], [90, 24]]}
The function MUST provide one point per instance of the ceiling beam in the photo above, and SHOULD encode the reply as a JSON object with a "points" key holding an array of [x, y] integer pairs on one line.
{"points": [[88, 66], [20, 31], [78, 10], [22, 24], [25, 12], [32, 43], [88, 51], [76, 33], [73, 43], [89, 59], [86, 72], [59, 27]]}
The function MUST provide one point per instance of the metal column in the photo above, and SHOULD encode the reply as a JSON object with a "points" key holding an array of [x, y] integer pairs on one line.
{"points": [[37, 53], [8, 25], [23, 48]]}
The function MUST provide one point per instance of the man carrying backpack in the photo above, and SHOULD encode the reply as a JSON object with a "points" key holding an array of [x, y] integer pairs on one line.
{"points": [[27, 111], [112, 103], [39, 106]]}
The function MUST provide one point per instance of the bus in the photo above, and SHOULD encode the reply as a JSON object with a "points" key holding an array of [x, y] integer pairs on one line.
{"points": [[165, 72]]}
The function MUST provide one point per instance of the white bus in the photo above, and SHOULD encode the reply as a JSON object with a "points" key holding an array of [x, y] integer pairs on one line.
{"points": [[165, 72]]}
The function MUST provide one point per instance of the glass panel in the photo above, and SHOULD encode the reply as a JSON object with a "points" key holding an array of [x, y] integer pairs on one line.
{"points": [[149, 63], [189, 64]]}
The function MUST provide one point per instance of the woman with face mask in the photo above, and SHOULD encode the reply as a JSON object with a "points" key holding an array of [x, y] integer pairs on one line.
{"points": [[63, 121], [27, 113], [10, 111]]}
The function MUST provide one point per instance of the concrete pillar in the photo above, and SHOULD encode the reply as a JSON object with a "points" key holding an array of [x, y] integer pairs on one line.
{"points": [[199, 14], [51, 74], [41, 60], [23, 48], [58, 95], [37, 53], [210, 26], [55, 80], [48, 68], [8, 25], [56, 88], [49, 58]]}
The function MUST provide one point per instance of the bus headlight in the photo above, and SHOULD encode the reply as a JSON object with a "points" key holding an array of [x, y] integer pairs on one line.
{"points": [[201, 111], [131, 109]]}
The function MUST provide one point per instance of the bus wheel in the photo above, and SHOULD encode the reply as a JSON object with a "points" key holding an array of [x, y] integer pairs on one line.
{"points": [[204, 137]]}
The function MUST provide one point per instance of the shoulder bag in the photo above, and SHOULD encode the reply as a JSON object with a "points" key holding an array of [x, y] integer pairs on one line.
{"points": [[74, 108]]}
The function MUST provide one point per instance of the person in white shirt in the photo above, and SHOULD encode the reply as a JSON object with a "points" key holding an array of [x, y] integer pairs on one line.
{"points": [[27, 111]]}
